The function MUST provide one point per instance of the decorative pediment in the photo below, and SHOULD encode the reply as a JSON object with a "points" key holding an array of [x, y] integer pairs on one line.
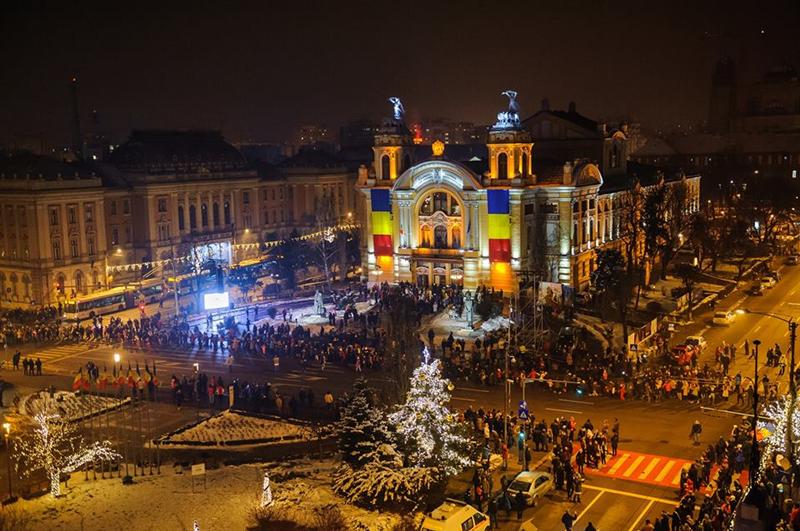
{"points": [[438, 173]]}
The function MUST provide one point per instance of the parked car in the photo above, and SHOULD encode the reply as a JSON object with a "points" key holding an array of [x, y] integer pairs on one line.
{"points": [[767, 282], [697, 341], [723, 318], [792, 260], [455, 515], [774, 275], [756, 289], [532, 484]]}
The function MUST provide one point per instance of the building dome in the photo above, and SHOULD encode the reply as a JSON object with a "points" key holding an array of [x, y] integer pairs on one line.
{"points": [[156, 151]]}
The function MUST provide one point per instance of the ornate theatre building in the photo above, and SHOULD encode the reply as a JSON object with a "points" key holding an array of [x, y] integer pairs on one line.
{"points": [[480, 215]]}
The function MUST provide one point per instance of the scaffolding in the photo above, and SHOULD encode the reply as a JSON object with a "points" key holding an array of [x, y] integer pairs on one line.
{"points": [[528, 314]]}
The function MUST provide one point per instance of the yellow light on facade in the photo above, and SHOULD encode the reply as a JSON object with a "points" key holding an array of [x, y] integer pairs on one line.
{"points": [[438, 148]]}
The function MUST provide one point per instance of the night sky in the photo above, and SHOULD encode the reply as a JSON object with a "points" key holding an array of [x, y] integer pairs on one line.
{"points": [[259, 70]]}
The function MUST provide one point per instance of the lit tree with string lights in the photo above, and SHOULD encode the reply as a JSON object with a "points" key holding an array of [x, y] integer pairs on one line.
{"points": [[428, 430], [55, 446]]}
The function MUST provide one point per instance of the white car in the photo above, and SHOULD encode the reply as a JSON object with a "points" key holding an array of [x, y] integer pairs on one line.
{"points": [[533, 485], [723, 318], [767, 282], [792, 260], [455, 515]]}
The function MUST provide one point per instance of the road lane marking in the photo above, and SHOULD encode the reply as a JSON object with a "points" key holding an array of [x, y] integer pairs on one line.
{"points": [[589, 506], [576, 401], [630, 494], [649, 468], [641, 515], [462, 399], [664, 471], [756, 329], [620, 461], [564, 410], [473, 389], [634, 466]]}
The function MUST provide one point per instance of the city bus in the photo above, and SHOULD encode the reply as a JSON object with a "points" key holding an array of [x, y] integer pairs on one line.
{"points": [[150, 290], [98, 303]]}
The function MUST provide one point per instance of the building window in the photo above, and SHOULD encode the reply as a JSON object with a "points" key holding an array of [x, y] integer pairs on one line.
{"points": [[126, 206], [162, 205], [502, 166], [245, 197], [113, 207], [204, 214], [273, 194], [73, 247], [247, 220], [114, 235], [53, 216], [215, 214], [192, 217], [72, 215], [280, 193], [127, 234], [181, 223], [79, 282], [90, 245], [440, 237], [385, 167], [89, 212], [56, 249], [163, 231], [281, 216], [60, 281], [227, 212]]}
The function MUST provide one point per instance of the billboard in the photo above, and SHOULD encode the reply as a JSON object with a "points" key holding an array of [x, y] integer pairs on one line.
{"points": [[215, 301], [550, 294]]}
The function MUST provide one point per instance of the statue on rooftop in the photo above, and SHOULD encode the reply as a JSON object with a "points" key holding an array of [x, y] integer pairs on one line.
{"points": [[398, 111]]}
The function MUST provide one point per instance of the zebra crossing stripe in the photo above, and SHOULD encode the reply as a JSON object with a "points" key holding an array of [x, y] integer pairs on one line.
{"points": [[649, 468], [664, 471], [677, 478], [634, 466], [620, 461]]}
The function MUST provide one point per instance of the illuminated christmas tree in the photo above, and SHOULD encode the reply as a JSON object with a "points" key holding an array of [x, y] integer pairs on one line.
{"points": [[429, 431], [55, 446]]}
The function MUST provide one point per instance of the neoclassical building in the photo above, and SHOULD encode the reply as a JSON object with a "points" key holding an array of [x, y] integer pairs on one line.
{"points": [[481, 215]]}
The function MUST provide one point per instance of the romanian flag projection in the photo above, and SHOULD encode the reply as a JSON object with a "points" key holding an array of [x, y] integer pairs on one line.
{"points": [[499, 226], [381, 222]]}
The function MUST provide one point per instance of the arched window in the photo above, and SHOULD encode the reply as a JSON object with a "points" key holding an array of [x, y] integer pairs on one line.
{"points": [[26, 283], [226, 212], [455, 237], [440, 202], [385, 173], [215, 214], [502, 166], [181, 223], [204, 214], [440, 237], [192, 217], [524, 164], [13, 278], [79, 284], [61, 280], [425, 237]]}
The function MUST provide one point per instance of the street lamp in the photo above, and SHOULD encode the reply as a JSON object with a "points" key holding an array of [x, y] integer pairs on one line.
{"points": [[754, 461], [792, 377], [6, 434], [197, 387]]}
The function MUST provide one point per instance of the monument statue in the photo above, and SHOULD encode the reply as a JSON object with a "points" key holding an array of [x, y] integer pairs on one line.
{"points": [[469, 308], [399, 112], [509, 119], [319, 306]]}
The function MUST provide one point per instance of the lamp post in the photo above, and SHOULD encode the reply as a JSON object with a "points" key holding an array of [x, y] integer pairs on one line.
{"points": [[6, 434], [754, 461], [792, 380], [197, 387]]}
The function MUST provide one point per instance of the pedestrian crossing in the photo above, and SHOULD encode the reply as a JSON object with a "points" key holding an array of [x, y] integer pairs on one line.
{"points": [[644, 468], [58, 352]]}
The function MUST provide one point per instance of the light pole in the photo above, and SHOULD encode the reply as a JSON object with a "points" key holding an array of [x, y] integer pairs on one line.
{"points": [[6, 434], [792, 382], [754, 461], [197, 387]]}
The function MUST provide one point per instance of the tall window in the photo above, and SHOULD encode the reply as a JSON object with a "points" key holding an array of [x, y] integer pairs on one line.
{"points": [[126, 206], [90, 245], [113, 207], [56, 249], [502, 166], [215, 214], [524, 164], [79, 282], [181, 222], [54, 216], [440, 237], [245, 197], [72, 216], [114, 235], [204, 214], [73, 248], [163, 231], [385, 167], [227, 212], [89, 208], [162, 204], [192, 217]]}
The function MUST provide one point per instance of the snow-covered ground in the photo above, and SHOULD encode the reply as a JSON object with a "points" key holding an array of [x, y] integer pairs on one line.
{"points": [[66, 404], [445, 322], [231, 426], [223, 501]]}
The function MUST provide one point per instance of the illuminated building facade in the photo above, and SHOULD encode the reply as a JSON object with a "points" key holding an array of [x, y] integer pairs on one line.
{"points": [[458, 214]]}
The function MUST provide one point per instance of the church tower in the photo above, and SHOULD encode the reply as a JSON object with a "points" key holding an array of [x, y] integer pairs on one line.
{"points": [[509, 144], [392, 156]]}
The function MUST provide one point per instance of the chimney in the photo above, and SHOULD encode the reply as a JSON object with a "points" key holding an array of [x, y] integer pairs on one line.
{"points": [[572, 107], [545, 104], [567, 176], [75, 122]]}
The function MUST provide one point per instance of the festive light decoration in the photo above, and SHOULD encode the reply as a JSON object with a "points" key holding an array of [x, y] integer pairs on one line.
{"points": [[427, 425], [55, 446]]}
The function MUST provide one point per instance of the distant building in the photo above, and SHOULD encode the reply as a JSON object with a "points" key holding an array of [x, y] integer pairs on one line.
{"points": [[357, 134]]}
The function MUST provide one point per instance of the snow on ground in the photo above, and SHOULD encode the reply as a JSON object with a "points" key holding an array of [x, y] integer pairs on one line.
{"points": [[230, 426], [495, 323], [445, 322], [73, 406], [222, 502]]}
